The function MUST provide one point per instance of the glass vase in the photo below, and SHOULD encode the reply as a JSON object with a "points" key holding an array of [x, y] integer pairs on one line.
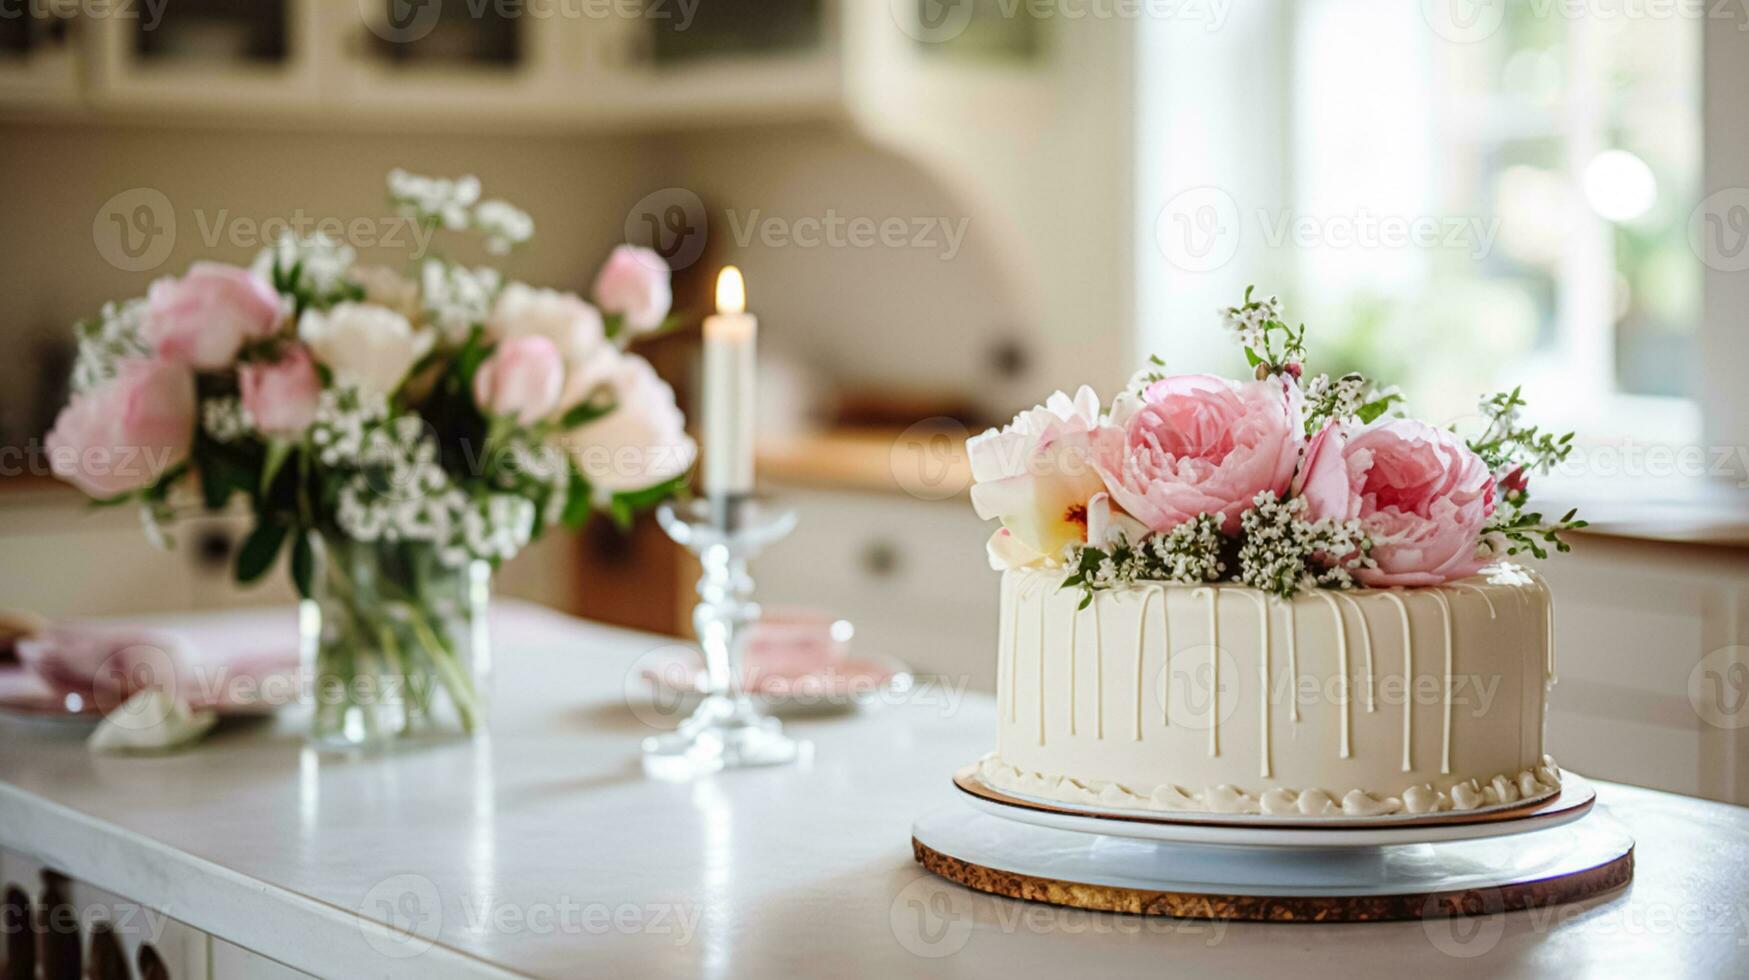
{"points": [[396, 644]]}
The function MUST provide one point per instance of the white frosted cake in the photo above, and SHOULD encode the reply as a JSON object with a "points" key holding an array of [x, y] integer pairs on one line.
{"points": [[1410, 700], [1276, 595]]}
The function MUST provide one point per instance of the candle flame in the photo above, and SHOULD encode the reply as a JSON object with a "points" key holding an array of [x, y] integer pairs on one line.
{"points": [[731, 291]]}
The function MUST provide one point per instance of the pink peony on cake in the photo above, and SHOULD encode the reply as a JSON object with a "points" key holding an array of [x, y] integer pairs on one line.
{"points": [[1274, 596]]}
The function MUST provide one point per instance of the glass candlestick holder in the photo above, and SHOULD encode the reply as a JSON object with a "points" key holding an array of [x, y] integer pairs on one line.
{"points": [[726, 731]]}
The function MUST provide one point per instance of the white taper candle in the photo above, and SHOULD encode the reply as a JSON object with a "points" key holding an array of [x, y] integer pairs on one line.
{"points": [[730, 340]]}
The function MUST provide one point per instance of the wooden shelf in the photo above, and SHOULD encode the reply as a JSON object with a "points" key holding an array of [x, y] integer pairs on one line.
{"points": [[924, 465]]}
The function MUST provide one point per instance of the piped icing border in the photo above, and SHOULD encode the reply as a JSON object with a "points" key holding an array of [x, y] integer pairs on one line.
{"points": [[1528, 785]]}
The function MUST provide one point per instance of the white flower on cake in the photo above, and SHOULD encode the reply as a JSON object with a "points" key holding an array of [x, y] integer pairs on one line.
{"points": [[1036, 476]]}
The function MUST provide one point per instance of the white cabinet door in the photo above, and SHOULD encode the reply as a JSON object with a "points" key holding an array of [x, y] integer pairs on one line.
{"points": [[105, 927], [233, 962], [909, 574], [1645, 635], [67, 559]]}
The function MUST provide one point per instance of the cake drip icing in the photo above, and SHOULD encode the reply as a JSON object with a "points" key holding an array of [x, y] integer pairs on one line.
{"points": [[1528, 785]]}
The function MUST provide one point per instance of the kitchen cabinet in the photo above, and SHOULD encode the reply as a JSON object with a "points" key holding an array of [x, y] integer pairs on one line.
{"points": [[76, 930], [1649, 638], [70, 559], [391, 62], [910, 575], [390, 56], [233, 962], [38, 59], [198, 57], [395, 63]]}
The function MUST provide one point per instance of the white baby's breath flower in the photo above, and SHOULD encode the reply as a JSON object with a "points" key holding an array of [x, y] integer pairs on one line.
{"points": [[321, 264], [1248, 321], [456, 298], [439, 199], [103, 343], [225, 419], [503, 224], [1283, 553], [344, 416]]}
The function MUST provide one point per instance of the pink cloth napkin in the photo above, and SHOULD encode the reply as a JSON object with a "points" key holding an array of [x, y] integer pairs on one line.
{"points": [[218, 661]]}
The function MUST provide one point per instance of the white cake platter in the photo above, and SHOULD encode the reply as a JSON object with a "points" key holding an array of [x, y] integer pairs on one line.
{"points": [[1574, 801], [1124, 873]]}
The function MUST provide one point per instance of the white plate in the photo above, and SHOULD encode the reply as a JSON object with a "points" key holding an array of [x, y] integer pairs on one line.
{"points": [[1125, 862], [1575, 800]]}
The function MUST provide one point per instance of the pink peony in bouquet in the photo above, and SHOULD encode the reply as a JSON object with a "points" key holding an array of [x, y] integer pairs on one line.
{"points": [[395, 433]]}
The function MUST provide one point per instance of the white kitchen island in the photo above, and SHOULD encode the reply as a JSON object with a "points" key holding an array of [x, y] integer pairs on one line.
{"points": [[543, 851]]}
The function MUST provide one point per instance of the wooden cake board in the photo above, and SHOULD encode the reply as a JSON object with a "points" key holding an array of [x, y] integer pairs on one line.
{"points": [[1336, 882]]}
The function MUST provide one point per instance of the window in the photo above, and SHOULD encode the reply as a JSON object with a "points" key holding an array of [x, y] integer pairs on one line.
{"points": [[1463, 212]]}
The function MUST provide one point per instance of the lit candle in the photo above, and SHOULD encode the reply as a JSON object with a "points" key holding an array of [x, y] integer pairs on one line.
{"points": [[729, 341]]}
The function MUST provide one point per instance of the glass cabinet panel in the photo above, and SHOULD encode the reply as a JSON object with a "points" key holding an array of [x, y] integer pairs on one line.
{"points": [[215, 32], [31, 34], [733, 28], [448, 35]]}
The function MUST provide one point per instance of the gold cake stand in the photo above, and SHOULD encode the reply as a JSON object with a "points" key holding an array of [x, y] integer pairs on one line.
{"points": [[1547, 853]]}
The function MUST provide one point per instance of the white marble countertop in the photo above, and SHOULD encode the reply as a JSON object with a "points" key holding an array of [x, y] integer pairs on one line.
{"points": [[544, 852]]}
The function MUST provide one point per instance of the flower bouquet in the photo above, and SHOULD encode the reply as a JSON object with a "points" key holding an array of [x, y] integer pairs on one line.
{"points": [[398, 434], [1279, 482]]}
